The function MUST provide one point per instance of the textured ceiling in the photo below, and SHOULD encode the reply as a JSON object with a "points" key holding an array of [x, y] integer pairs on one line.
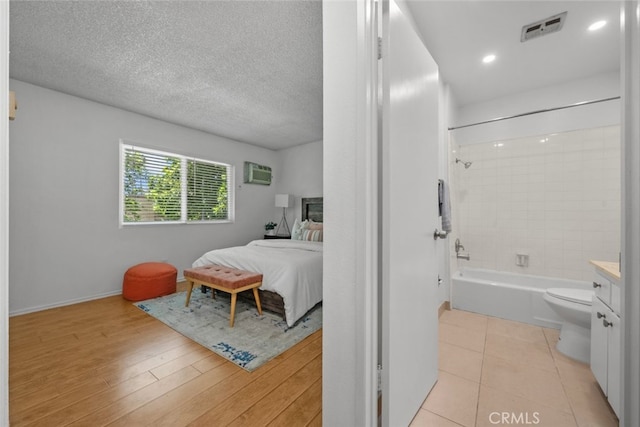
{"points": [[250, 71], [460, 33]]}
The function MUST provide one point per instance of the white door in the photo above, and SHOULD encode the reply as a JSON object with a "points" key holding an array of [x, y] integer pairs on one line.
{"points": [[409, 217]]}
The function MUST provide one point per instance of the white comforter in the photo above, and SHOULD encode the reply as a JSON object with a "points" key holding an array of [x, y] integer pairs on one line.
{"points": [[291, 268]]}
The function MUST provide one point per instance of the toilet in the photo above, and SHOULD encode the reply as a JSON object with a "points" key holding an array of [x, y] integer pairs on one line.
{"points": [[574, 308]]}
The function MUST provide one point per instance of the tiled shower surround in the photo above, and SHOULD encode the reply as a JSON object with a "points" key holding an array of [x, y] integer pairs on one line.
{"points": [[555, 198]]}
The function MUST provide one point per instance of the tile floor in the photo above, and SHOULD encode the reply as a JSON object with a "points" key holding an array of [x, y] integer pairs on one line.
{"points": [[490, 365]]}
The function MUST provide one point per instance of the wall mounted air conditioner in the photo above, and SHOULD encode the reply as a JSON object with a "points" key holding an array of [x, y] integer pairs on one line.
{"points": [[257, 174]]}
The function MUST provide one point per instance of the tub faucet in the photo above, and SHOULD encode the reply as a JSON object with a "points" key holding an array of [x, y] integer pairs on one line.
{"points": [[459, 248]]}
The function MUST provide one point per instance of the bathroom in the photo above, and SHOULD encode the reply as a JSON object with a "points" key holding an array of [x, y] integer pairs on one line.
{"points": [[536, 189], [534, 172], [537, 195], [533, 214], [535, 179]]}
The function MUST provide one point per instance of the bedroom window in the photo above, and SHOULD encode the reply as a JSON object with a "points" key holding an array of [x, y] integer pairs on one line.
{"points": [[160, 187]]}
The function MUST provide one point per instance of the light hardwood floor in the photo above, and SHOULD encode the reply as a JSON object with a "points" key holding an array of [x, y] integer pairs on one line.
{"points": [[105, 362]]}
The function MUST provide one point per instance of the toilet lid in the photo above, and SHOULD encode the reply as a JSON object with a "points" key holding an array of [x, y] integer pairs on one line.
{"points": [[580, 296]]}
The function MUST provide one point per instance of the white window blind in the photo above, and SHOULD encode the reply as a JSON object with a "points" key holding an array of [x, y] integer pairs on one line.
{"points": [[161, 187]]}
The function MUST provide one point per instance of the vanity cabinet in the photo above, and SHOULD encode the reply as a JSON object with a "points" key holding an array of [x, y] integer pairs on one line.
{"points": [[606, 344]]}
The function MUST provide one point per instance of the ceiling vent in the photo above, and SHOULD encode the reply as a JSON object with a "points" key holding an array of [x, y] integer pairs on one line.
{"points": [[543, 27]]}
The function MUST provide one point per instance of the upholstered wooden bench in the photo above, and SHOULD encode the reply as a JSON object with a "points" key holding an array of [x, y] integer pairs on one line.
{"points": [[224, 279]]}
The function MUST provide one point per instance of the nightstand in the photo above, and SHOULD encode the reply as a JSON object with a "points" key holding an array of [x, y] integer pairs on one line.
{"points": [[267, 236]]}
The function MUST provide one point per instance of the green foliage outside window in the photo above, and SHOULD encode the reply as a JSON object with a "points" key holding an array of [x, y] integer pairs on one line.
{"points": [[134, 175], [166, 192], [206, 191], [154, 191]]}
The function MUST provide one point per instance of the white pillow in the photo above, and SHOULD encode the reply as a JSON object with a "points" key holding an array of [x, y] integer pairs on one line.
{"points": [[298, 229]]}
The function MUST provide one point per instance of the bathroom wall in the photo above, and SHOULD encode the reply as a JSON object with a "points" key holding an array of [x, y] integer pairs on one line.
{"points": [[553, 197], [454, 188], [598, 87], [447, 111]]}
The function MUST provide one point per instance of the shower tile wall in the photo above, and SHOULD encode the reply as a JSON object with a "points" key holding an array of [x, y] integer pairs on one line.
{"points": [[555, 198]]}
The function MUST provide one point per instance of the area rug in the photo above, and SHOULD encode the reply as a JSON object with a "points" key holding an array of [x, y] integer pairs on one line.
{"points": [[253, 340]]}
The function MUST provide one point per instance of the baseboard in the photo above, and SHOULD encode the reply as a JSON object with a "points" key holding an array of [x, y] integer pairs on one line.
{"points": [[444, 306], [71, 302], [63, 303]]}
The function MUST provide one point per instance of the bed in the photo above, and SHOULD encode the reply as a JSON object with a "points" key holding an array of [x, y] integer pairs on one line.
{"points": [[291, 269]]}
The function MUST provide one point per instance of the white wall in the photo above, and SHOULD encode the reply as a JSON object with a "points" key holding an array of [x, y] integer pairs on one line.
{"points": [[300, 176], [523, 129], [554, 197], [594, 115], [65, 242], [447, 113]]}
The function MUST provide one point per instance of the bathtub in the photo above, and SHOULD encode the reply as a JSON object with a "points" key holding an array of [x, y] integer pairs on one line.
{"points": [[507, 295]]}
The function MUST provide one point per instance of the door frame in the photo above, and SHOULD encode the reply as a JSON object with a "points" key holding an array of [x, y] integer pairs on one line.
{"points": [[630, 90], [4, 213], [351, 194]]}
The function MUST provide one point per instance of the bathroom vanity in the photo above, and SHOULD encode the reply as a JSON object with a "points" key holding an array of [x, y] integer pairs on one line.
{"points": [[606, 344]]}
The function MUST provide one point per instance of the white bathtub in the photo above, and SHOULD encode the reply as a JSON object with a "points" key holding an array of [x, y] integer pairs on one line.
{"points": [[508, 295]]}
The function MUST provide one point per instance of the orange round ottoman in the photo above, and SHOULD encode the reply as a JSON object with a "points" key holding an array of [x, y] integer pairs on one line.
{"points": [[149, 280]]}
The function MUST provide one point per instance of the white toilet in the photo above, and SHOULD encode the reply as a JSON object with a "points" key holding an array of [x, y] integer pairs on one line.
{"points": [[574, 308]]}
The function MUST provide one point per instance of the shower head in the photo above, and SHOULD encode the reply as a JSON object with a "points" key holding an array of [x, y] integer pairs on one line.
{"points": [[467, 165]]}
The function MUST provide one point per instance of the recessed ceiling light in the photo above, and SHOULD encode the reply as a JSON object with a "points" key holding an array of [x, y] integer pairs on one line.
{"points": [[489, 58], [597, 25]]}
